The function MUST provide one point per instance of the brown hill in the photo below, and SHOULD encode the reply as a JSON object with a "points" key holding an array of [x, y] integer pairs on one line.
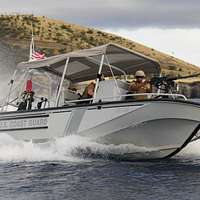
{"points": [[54, 37]]}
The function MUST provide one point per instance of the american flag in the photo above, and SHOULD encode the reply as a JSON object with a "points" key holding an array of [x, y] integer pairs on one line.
{"points": [[34, 55], [37, 56]]}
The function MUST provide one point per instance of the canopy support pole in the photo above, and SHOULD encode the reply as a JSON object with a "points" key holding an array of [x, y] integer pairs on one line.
{"points": [[159, 90], [113, 74], [10, 89], [114, 67], [98, 76], [62, 80]]}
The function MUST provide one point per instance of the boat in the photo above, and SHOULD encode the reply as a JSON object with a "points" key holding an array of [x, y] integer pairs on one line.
{"points": [[162, 123]]}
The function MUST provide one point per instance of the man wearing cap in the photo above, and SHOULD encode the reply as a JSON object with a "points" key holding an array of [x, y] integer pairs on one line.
{"points": [[140, 85]]}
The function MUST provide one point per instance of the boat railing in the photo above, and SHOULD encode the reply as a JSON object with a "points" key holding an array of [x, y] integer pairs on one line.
{"points": [[113, 98], [126, 96], [4, 103]]}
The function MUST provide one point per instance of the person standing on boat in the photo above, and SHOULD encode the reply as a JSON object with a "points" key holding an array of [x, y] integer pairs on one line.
{"points": [[140, 85]]}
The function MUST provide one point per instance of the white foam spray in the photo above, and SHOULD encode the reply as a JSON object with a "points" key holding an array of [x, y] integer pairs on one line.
{"points": [[68, 149], [12, 150], [192, 149]]}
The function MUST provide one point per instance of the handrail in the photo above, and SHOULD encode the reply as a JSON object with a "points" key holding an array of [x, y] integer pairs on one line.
{"points": [[149, 95], [128, 95]]}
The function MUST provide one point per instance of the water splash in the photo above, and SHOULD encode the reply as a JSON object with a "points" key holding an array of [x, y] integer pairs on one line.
{"points": [[12, 150], [192, 149], [73, 149], [70, 148]]}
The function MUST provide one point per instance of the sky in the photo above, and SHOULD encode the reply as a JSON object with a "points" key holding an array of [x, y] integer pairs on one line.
{"points": [[170, 26]]}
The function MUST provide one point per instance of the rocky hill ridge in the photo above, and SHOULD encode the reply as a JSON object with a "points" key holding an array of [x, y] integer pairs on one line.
{"points": [[54, 37]]}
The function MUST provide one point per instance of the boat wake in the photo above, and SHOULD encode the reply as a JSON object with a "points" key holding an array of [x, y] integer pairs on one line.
{"points": [[70, 148], [74, 149], [12, 150]]}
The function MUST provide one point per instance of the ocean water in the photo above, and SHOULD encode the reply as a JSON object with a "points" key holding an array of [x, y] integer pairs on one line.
{"points": [[77, 168]]}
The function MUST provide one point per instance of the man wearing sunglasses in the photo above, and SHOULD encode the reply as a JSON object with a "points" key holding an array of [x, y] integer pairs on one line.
{"points": [[140, 85]]}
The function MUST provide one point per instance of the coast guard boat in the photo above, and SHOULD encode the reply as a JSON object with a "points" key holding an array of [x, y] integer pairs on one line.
{"points": [[41, 106]]}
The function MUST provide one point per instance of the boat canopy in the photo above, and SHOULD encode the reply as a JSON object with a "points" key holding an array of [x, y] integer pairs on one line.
{"points": [[84, 64]]}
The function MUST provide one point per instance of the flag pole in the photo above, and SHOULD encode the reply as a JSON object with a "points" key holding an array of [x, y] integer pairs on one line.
{"points": [[32, 47], [34, 55]]}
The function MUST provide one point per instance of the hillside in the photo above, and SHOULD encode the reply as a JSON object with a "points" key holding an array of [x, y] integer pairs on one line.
{"points": [[54, 37]]}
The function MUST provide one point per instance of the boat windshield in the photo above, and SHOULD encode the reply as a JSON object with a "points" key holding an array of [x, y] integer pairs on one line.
{"points": [[43, 86]]}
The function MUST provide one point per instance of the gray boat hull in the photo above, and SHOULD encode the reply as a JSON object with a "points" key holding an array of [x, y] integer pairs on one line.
{"points": [[159, 127]]}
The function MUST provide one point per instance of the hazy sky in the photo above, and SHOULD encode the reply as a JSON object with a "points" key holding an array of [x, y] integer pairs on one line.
{"points": [[171, 26]]}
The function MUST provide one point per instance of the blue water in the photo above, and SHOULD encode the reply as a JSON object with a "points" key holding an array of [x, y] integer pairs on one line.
{"points": [[57, 171]]}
